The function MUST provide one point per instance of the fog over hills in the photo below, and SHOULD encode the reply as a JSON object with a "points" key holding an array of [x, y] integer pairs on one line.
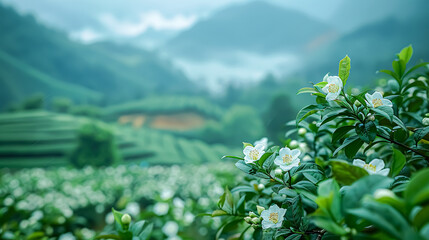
{"points": [[98, 73]]}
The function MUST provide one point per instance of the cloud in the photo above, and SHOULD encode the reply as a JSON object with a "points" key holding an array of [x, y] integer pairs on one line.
{"points": [[152, 19], [86, 35]]}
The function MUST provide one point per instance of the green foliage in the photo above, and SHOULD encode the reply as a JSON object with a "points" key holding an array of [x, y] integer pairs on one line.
{"points": [[34, 102], [378, 141], [96, 146]]}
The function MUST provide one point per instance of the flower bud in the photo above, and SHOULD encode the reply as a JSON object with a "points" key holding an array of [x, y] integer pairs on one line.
{"points": [[248, 220], [126, 219], [425, 121], [260, 209], [252, 214], [293, 144], [357, 103], [278, 172], [371, 117], [256, 220], [261, 187], [302, 131], [427, 115], [381, 193]]}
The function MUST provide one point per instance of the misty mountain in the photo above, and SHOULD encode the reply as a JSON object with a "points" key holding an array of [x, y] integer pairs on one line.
{"points": [[35, 54], [351, 15], [371, 48], [253, 27]]}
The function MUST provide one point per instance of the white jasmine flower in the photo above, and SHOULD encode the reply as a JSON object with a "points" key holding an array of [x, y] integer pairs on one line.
{"points": [[263, 141], [166, 194], [170, 228], [377, 100], [273, 217], [132, 208], [374, 167], [287, 158], [333, 88], [252, 154], [161, 208]]}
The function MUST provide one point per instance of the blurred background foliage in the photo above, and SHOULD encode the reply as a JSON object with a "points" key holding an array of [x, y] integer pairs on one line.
{"points": [[143, 84]]}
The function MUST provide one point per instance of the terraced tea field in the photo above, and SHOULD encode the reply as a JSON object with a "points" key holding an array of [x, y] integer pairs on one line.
{"points": [[40, 138]]}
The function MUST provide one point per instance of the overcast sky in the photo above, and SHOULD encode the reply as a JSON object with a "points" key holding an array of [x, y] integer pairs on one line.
{"points": [[90, 20]]}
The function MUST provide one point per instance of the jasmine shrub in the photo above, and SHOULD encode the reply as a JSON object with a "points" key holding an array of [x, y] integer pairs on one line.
{"points": [[356, 167]]}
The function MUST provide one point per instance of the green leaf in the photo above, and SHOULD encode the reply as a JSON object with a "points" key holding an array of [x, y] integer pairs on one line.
{"points": [[420, 134], [353, 194], [340, 132], [306, 90], [417, 191], [346, 142], [232, 157], [351, 146], [406, 54], [384, 111], [246, 168], [108, 236], [294, 236], [344, 69], [423, 64], [386, 218], [346, 173], [307, 111], [117, 216], [243, 189], [422, 217], [321, 84], [399, 67], [264, 157], [328, 201], [329, 225], [245, 144], [400, 123], [398, 162], [366, 132], [393, 74], [219, 212]]}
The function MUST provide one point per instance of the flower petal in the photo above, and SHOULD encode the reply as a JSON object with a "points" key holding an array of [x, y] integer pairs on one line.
{"points": [[378, 163], [260, 147], [377, 95], [331, 96], [384, 172], [278, 160], [325, 89], [387, 102], [295, 153], [247, 150], [358, 162]]}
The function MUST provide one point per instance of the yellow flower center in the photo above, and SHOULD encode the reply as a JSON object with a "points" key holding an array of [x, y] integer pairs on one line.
{"points": [[369, 167], [377, 102], [254, 154], [274, 217], [287, 159], [333, 88]]}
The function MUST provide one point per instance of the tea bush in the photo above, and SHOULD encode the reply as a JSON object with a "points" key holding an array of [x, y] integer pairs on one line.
{"points": [[356, 170]]}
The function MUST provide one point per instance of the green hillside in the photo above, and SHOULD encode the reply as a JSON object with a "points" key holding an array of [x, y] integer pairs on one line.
{"points": [[21, 80], [169, 104], [256, 26], [118, 73], [39, 139]]}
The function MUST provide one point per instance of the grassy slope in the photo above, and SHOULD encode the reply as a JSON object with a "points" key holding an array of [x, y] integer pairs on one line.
{"points": [[20, 80]]}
